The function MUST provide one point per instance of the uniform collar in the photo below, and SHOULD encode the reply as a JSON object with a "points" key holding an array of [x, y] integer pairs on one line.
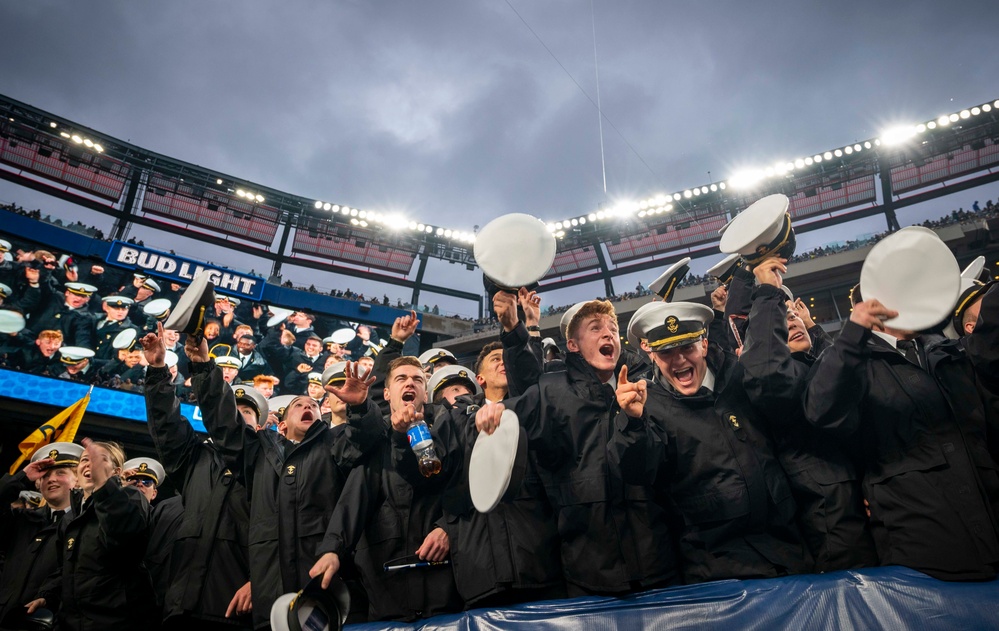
{"points": [[890, 339]]}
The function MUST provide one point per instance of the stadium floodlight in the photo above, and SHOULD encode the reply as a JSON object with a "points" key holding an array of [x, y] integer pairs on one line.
{"points": [[688, 194], [420, 227], [582, 220], [240, 192], [354, 221], [64, 134], [219, 181], [440, 232], [847, 150], [954, 118], [327, 206], [362, 214], [415, 226], [827, 155], [867, 144], [574, 222], [52, 124], [987, 107], [747, 178], [98, 148], [318, 205], [592, 216], [88, 142], [78, 140], [931, 125], [920, 128], [943, 121], [448, 233], [600, 215], [642, 213], [975, 111], [838, 153], [429, 229], [364, 224], [897, 135], [259, 198], [558, 225], [550, 226], [799, 163], [965, 114], [353, 212]]}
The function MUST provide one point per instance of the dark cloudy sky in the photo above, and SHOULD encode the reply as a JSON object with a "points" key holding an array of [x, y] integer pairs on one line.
{"points": [[454, 113]]}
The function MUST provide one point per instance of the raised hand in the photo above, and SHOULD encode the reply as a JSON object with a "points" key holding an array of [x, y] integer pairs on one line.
{"points": [[769, 272], [196, 349], [35, 470], [505, 306], [719, 298], [803, 313], [354, 390], [327, 566], [530, 302], [631, 395], [405, 326], [403, 418], [871, 314], [153, 347]]}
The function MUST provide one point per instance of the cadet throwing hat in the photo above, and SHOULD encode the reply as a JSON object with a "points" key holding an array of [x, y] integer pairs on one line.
{"points": [[760, 231], [249, 396], [62, 454], [228, 361], [192, 307], [74, 355], [11, 321], [666, 284], [448, 374], [81, 289], [563, 323], [666, 325], [159, 308], [5, 291], [313, 608], [498, 462], [724, 270], [278, 315], [124, 340], [335, 375], [146, 468], [912, 272], [513, 251], [434, 355]]}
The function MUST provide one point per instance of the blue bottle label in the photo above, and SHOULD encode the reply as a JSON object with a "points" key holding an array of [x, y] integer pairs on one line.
{"points": [[419, 436]]}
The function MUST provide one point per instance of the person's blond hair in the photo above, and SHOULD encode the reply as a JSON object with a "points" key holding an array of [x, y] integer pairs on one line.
{"points": [[116, 451], [49, 334]]}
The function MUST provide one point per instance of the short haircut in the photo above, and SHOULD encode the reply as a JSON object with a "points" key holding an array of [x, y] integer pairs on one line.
{"points": [[588, 310], [44, 254], [50, 335], [248, 337], [259, 379], [405, 360], [311, 317], [488, 348]]}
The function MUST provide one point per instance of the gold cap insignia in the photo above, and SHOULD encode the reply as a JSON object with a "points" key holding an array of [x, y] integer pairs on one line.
{"points": [[463, 374], [143, 467], [54, 454], [240, 392], [734, 421], [672, 324], [291, 469]]}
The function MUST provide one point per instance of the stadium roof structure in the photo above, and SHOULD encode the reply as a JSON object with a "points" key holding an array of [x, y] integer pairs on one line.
{"points": [[903, 166]]}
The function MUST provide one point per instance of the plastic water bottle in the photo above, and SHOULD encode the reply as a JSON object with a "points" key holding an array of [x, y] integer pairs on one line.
{"points": [[422, 444]]}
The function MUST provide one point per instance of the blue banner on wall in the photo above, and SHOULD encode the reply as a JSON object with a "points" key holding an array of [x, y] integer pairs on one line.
{"points": [[62, 393], [183, 270]]}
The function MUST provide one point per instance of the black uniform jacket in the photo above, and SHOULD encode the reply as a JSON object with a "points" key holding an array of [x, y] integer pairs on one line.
{"points": [[515, 546], [104, 334], [932, 486], [382, 518], [100, 583], [718, 475], [29, 546], [75, 324], [293, 488], [614, 535], [824, 481], [209, 559], [164, 522]]}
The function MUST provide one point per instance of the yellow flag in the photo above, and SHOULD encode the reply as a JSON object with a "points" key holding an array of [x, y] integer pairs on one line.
{"points": [[60, 428]]}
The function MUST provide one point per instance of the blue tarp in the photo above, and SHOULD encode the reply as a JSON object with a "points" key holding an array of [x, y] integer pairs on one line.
{"points": [[878, 598]]}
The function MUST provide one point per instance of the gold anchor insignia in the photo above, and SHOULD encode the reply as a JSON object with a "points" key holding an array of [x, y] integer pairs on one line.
{"points": [[54, 454], [672, 324], [761, 250], [69, 543], [734, 421], [291, 469], [240, 392], [462, 374], [143, 467]]}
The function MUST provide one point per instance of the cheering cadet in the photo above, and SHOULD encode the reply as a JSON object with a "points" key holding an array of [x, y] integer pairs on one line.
{"points": [[293, 479], [208, 585], [100, 583], [509, 554], [70, 317], [572, 419], [725, 489], [826, 487], [921, 424], [30, 551], [388, 522], [115, 321]]}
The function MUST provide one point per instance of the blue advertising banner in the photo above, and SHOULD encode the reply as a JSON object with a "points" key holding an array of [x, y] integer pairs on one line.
{"points": [[62, 393], [183, 270]]}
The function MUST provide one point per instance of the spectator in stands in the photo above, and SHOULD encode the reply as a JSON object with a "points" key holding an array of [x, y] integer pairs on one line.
{"points": [[40, 357], [114, 322], [70, 317], [252, 361], [301, 325], [265, 384]]}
